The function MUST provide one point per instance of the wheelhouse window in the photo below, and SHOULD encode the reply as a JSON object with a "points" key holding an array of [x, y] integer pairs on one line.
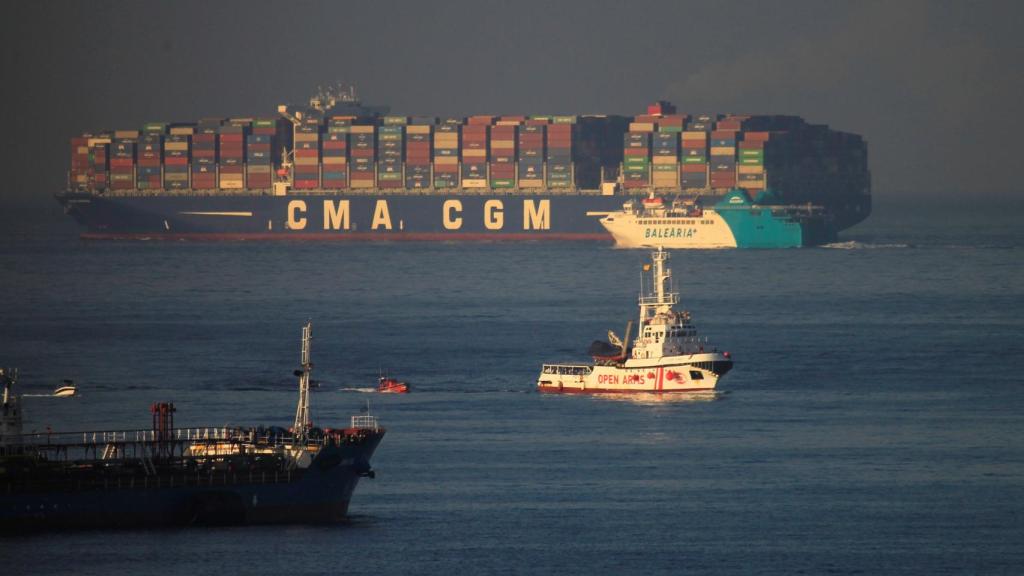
{"points": [[695, 375]]}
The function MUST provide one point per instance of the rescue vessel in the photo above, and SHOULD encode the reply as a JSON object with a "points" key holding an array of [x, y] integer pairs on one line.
{"points": [[667, 354], [167, 476]]}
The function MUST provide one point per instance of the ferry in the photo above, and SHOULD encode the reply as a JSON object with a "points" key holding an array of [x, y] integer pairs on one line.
{"points": [[668, 354], [736, 221]]}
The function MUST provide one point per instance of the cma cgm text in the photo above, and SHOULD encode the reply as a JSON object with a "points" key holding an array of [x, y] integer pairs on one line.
{"points": [[337, 215]]}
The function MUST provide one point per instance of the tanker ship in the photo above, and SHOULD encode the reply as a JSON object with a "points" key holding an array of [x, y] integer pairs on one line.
{"points": [[336, 169], [167, 476]]}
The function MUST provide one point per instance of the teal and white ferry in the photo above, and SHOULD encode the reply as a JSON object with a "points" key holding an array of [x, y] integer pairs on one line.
{"points": [[735, 221]]}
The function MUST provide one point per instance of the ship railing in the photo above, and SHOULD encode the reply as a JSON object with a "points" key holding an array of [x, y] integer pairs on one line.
{"points": [[567, 369], [365, 422], [670, 299], [206, 441]]}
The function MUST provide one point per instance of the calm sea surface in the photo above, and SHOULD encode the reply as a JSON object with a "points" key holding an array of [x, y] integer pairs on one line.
{"points": [[874, 422]]}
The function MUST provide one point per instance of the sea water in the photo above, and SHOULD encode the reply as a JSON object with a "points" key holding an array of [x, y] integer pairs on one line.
{"points": [[872, 424]]}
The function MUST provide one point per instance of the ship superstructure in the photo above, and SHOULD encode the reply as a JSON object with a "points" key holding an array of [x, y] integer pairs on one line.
{"points": [[666, 355], [179, 476]]}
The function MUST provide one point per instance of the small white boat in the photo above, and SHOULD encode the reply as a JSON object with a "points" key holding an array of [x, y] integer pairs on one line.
{"points": [[67, 389]]}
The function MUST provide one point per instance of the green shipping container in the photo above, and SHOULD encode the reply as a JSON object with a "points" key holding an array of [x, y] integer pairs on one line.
{"points": [[563, 119], [670, 128], [503, 183], [695, 160]]}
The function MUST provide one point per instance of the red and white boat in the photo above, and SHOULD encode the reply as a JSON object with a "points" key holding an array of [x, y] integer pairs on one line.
{"points": [[668, 355]]}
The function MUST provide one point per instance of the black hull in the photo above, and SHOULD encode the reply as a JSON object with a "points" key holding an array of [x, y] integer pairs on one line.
{"points": [[318, 494]]}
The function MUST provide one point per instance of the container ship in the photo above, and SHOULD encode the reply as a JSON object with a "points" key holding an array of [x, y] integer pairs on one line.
{"points": [[336, 169], [167, 476]]}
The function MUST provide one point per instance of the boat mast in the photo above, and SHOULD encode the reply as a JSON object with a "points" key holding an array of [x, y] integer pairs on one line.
{"points": [[662, 299], [301, 426]]}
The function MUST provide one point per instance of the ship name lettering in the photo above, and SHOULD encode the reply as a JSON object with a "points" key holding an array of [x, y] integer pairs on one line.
{"points": [[608, 379], [381, 216], [336, 217], [494, 215], [295, 221], [449, 211], [669, 232], [536, 215]]}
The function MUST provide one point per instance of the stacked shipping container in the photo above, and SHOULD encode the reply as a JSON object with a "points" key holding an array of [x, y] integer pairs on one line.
{"points": [[204, 155], [259, 154], [417, 155], [149, 157], [82, 173], [722, 172], [306, 160], [694, 168], [363, 154], [636, 159], [122, 161], [531, 154], [750, 171], [541, 152], [176, 157], [474, 152], [335, 152], [99, 161], [390, 152], [503, 155], [446, 154], [559, 152]]}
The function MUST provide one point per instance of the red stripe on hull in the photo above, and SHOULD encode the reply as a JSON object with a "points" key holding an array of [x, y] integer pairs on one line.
{"points": [[352, 236]]}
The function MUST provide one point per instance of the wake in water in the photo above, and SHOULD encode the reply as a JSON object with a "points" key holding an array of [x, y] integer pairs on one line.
{"points": [[855, 245], [362, 390]]}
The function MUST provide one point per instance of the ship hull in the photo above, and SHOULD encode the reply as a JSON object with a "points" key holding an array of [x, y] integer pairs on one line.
{"points": [[317, 494], [425, 217], [692, 373], [758, 228], [360, 217]]}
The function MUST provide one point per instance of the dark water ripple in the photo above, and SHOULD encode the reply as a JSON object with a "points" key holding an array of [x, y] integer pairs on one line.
{"points": [[871, 426]]}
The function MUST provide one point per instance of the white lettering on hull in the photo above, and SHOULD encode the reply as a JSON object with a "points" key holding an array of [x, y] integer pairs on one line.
{"points": [[449, 214], [381, 216], [296, 215], [336, 217], [536, 215]]}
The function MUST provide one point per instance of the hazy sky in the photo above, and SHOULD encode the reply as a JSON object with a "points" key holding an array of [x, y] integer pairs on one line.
{"points": [[935, 87]]}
